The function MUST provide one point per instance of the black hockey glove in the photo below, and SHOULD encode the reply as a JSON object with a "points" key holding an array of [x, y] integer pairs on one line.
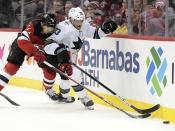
{"points": [[62, 55], [78, 44], [109, 27], [63, 60]]}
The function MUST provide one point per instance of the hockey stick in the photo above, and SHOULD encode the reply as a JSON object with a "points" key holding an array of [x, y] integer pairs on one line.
{"points": [[103, 99], [141, 111], [9, 100]]}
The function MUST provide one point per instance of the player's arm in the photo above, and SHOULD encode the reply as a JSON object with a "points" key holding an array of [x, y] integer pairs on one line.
{"points": [[58, 35], [24, 40], [98, 32], [25, 44], [57, 55]]}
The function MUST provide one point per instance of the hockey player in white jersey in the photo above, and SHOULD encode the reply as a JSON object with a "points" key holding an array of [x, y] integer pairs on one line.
{"points": [[72, 33]]}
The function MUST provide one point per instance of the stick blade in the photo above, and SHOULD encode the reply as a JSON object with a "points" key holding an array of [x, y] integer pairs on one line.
{"points": [[144, 116], [138, 116], [9, 100], [141, 116], [147, 111]]}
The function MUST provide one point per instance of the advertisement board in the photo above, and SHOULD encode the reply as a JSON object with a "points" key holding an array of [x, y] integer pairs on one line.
{"points": [[142, 70]]}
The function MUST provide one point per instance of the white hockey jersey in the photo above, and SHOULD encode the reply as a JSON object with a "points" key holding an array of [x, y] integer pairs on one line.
{"points": [[68, 35]]}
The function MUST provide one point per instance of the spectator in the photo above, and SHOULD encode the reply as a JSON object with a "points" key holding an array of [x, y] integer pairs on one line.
{"points": [[40, 6], [115, 6], [6, 13], [68, 5], [154, 16], [92, 14], [104, 7], [58, 10], [77, 3], [171, 20], [154, 11], [121, 22], [30, 10], [58, 7], [172, 4], [155, 27]]}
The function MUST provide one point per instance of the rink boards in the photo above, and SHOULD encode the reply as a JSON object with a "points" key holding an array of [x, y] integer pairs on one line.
{"points": [[142, 71]]}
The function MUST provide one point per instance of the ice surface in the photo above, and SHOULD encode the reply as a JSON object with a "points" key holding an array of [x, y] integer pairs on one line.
{"points": [[38, 113]]}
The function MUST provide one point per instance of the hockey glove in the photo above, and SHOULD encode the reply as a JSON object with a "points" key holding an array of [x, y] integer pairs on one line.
{"points": [[77, 44], [62, 54], [38, 56], [109, 27], [66, 67]]}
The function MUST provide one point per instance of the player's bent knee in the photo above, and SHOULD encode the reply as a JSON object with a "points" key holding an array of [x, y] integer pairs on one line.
{"points": [[49, 74]]}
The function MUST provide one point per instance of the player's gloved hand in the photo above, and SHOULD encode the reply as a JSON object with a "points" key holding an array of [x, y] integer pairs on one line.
{"points": [[38, 56], [66, 67], [77, 44], [62, 54], [109, 27]]}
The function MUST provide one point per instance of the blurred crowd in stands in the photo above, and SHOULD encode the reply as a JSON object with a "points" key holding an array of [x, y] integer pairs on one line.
{"points": [[147, 18]]}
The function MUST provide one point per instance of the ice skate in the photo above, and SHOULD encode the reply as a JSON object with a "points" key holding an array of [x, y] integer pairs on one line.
{"points": [[87, 102], [67, 99], [52, 94]]}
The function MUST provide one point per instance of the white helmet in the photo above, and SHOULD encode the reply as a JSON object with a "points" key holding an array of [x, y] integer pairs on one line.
{"points": [[76, 14]]}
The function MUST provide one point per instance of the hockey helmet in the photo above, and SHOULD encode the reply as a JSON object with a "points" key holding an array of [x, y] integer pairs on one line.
{"points": [[49, 19], [76, 14]]}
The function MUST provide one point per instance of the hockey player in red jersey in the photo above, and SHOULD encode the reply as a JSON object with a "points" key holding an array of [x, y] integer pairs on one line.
{"points": [[35, 33]]}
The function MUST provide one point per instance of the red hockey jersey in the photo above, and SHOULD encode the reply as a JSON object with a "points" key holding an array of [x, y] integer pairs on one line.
{"points": [[30, 36]]}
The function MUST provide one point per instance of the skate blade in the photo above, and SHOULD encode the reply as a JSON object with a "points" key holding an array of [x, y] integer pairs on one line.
{"points": [[64, 101], [90, 107]]}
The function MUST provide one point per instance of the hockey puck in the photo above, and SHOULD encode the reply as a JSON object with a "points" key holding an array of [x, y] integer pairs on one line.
{"points": [[166, 122]]}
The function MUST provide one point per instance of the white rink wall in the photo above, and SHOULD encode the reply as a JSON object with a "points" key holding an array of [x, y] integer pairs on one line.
{"points": [[141, 70], [126, 71]]}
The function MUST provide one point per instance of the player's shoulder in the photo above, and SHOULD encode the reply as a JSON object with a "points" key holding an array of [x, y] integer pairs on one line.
{"points": [[61, 31], [64, 24], [34, 26], [86, 24], [35, 23], [65, 27]]}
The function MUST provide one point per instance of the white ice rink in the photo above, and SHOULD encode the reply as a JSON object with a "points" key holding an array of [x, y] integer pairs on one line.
{"points": [[38, 113]]}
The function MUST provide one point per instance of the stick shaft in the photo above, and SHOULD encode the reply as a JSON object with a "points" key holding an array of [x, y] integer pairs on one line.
{"points": [[103, 99]]}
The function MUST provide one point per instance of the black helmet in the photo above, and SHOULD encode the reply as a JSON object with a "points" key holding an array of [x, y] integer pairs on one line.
{"points": [[49, 20]]}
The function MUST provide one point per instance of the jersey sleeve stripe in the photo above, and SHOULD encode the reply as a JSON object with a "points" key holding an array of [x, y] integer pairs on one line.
{"points": [[24, 36]]}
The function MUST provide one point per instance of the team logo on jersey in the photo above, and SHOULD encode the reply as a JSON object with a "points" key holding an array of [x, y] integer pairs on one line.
{"points": [[156, 75]]}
